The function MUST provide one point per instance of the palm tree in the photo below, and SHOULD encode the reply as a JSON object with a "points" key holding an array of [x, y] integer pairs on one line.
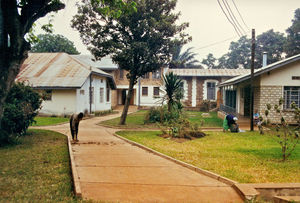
{"points": [[185, 59], [173, 88]]}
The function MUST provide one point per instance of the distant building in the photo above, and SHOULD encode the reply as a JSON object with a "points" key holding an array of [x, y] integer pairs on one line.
{"points": [[271, 82], [68, 84]]}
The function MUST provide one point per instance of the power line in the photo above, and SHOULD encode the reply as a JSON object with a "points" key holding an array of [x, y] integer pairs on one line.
{"points": [[237, 22], [234, 26], [240, 15], [232, 19]]}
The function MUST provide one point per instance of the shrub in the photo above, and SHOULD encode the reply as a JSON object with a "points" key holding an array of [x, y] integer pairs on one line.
{"points": [[103, 113], [20, 108]]}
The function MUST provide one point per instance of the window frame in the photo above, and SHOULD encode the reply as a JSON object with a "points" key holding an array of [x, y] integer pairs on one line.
{"points": [[145, 93], [156, 90]]}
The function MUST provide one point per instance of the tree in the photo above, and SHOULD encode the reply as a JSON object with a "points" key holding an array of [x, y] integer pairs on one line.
{"points": [[292, 46], [16, 20], [272, 43], [138, 42], [54, 43], [210, 61], [185, 59], [173, 89]]}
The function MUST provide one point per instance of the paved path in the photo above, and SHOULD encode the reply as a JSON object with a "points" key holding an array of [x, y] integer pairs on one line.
{"points": [[113, 170]]}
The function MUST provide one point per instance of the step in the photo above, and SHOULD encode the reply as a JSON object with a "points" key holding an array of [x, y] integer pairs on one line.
{"points": [[284, 199]]}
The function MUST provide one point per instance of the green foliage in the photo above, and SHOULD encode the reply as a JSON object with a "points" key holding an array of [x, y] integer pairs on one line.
{"points": [[292, 46], [185, 59], [21, 106], [54, 43], [285, 136], [210, 61], [174, 91]]}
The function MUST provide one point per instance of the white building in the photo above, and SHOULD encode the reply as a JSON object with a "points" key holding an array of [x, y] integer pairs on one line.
{"points": [[68, 85]]}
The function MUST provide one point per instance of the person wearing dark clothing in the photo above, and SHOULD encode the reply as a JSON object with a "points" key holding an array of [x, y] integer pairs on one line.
{"points": [[230, 123], [74, 123]]}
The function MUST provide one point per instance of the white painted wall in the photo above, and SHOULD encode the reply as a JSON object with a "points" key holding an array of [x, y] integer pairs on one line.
{"points": [[185, 90], [63, 102], [194, 91], [282, 76], [83, 102], [150, 100]]}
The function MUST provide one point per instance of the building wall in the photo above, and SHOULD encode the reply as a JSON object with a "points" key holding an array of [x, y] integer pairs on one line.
{"points": [[63, 102]]}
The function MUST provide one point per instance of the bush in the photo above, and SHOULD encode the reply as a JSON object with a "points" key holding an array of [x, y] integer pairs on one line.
{"points": [[20, 108], [162, 115], [103, 113]]}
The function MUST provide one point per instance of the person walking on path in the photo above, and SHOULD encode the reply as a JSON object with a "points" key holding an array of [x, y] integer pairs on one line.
{"points": [[74, 123]]}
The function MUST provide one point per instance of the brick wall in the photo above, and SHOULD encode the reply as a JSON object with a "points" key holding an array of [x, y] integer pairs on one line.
{"points": [[271, 95]]}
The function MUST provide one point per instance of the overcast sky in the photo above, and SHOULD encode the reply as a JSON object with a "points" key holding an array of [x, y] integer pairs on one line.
{"points": [[208, 24]]}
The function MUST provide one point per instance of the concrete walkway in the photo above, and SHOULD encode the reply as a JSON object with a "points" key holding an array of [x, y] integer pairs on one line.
{"points": [[113, 170]]}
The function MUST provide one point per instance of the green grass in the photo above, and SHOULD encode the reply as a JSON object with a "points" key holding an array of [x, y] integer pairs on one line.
{"points": [[212, 121], [243, 157], [133, 120], [42, 121], [37, 169], [136, 120]]}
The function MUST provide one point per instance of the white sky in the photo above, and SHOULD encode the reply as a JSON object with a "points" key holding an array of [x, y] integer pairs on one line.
{"points": [[208, 24]]}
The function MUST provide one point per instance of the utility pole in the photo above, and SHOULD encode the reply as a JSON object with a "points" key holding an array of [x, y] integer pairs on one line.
{"points": [[252, 80]]}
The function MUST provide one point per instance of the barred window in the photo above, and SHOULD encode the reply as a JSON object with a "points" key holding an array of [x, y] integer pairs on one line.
{"points": [[146, 76], [156, 91], [144, 91], [47, 95], [211, 90], [101, 95], [291, 94]]}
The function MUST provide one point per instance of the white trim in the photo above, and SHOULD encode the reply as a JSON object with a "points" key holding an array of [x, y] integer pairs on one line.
{"points": [[194, 91], [185, 90], [205, 89]]}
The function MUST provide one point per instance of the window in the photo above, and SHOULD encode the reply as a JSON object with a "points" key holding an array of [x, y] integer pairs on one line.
{"points": [[91, 95], [101, 95], [47, 96], [156, 74], [211, 90], [156, 91], [291, 94], [82, 92], [144, 91], [107, 92], [121, 73], [146, 76]]}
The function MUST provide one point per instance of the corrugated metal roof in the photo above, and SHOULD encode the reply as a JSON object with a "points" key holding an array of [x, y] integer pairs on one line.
{"points": [[59, 70], [105, 63], [260, 71], [209, 72]]}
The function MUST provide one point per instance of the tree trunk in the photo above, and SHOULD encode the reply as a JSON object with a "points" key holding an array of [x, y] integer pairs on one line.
{"points": [[127, 101]]}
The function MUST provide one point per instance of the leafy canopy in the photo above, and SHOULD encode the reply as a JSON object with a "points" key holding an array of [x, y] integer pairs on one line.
{"points": [[54, 43], [292, 46], [139, 42], [184, 59]]}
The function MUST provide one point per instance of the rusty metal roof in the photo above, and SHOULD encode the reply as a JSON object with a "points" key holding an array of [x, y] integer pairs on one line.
{"points": [[105, 63], [59, 70], [209, 72]]}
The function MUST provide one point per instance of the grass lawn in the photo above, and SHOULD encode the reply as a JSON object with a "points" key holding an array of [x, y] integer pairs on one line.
{"points": [[42, 121], [136, 120], [243, 157], [37, 169]]}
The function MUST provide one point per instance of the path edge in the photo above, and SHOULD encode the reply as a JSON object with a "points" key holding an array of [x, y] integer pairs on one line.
{"points": [[76, 182]]}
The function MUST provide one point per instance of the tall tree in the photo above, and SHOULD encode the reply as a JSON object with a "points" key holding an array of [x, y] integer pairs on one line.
{"points": [[210, 61], [54, 43], [184, 59], [16, 20], [292, 47], [139, 42], [272, 43]]}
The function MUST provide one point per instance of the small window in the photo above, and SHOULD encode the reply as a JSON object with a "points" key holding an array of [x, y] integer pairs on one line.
{"points": [[101, 80], [211, 90], [101, 95], [47, 95], [144, 91], [82, 92], [156, 91], [291, 95], [121, 73], [107, 92]]}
